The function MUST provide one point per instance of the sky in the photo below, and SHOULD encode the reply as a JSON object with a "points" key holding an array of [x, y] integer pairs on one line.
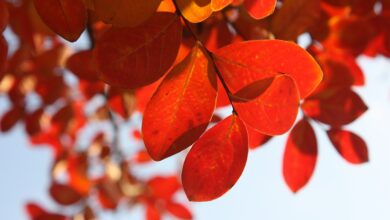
{"points": [[337, 190]]}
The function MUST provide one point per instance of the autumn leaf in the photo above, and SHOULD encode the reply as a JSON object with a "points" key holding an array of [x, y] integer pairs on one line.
{"points": [[259, 9], [182, 106], [335, 107], [4, 16], [65, 17], [300, 156], [128, 13], [64, 194], [195, 11], [274, 111], [217, 5], [294, 18], [83, 66], [3, 54], [259, 59], [135, 57], [349, 145], [216, 160], [267, 77], [178, 210]]}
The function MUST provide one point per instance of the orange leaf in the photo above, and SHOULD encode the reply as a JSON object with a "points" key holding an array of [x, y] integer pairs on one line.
{"points": [[195, 10], [335, 107], [217, 5], [349, 145], [135, 57], [259, 9], [246, 62], [128, 13], [300, 155], [274, 111], [182, 106], [65, 17], [216, 160]]}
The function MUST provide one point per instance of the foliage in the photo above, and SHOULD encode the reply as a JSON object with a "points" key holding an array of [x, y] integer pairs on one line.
{"points": [[175, 62]]}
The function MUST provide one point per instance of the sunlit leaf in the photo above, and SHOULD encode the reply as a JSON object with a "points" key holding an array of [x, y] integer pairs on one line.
{"points": [[246, 62], [216, 160], [195, 10], [182, 106], [260, 8]]}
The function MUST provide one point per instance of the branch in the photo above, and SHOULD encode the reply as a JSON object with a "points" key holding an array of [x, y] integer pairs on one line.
{"points": [[209, 54]]}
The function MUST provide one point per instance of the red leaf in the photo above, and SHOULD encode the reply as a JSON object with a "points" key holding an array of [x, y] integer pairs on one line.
{"points": [[259, 9], [247, 62], [10, 118], [82, 65], [35, 212], [64, 194], [300, 156], [274, 111], [151, 212], [3, 54], [349, 145], [216, 160], [335, 107], [181, 108], [178, 210], [256, 139], [164, 187], [135, 57], [65, 17], [4, 15]]}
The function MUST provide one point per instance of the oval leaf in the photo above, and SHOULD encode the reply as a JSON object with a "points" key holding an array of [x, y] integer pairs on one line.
{"points": [[349, 145], [246, 62], [65, 17], [275, 110], [300, 156], [182, 106], [216, 160], [330, 107], [135, 57]]}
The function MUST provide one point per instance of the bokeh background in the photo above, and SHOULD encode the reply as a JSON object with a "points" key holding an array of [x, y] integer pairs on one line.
{"points": [[338, 190]]}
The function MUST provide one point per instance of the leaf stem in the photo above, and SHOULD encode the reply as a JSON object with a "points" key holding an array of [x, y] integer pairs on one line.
{"points": [[209, 54]]}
